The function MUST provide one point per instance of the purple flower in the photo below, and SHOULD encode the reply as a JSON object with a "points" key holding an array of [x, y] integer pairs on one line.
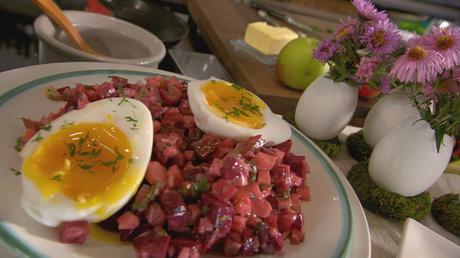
{"points": [[325, 50], [367, 66], [446, 41], [385, 84], [346, 28], [381, 37], [418, 64], [367, 11]]}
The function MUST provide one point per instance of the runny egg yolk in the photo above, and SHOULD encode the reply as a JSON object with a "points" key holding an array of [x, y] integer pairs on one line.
{"points": [[81, 161], [234, 103]]}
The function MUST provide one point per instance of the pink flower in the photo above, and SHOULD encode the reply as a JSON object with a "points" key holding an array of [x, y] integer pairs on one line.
{"points": [[418, 64], [381, 37], [325, 50], [346, 28], [367, 66], [446, 41], [367, 11]]}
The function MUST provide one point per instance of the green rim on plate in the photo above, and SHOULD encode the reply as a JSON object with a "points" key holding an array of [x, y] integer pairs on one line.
{"points": [[22, 249]]}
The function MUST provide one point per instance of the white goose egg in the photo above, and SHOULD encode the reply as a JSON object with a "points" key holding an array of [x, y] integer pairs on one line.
{"points": [[325, 108], [228, 110], [406, 160], [88, 163], [387, 113]]}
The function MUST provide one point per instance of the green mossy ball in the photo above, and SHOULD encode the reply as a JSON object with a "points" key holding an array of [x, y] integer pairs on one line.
{"points": [[331, 147], [446, 211], [383, 202], [357, 147]]}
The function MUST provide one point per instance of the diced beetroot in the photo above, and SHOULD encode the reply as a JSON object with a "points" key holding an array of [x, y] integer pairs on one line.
{"points": [[156, 173], [179, 160], [250, 147], [250, 244], [223, 189], [238, 223], [272, 220], [176, 212], [234, 167], [206, 146], [152, 244], [184, 253], [73, 232], [261, 208], [129, 93], [232, 245], [264, 161], [190, 171], [284, 146], [220, 152], [215, 167], [167, 146], [242, 204], [128, 220], [304, 192], [220, 214], [296, 202], [263, 177], [297, 163], [281, 176], [276, 239], [205, 225], [156, 126], [141, 193], [170, 95], [286, 220], [188, 121], [172, 114], [155, 215], [185, 242], [174, 177]]}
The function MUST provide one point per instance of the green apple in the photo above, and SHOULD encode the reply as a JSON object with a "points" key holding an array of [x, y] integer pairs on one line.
{"points": [[296, 66]]}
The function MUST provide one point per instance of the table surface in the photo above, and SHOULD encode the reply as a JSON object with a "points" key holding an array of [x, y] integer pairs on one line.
{"points": [[222, 21]]}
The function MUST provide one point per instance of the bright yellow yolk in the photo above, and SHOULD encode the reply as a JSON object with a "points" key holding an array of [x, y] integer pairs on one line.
{"points": [[234, 103], [81, 161]]}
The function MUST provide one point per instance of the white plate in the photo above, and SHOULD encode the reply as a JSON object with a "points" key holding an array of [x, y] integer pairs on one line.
{"points": [[329, 219], [422, 242]]}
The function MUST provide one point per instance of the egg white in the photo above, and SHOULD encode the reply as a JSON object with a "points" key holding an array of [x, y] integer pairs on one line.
{"points": [[275, 130], [59, 208]]}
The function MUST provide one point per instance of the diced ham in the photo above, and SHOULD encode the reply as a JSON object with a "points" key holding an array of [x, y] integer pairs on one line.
{"points": [[156, 173], [152, 244], [155, 215], [264, 161], [73, 232], [128, 220], [223, 189]]}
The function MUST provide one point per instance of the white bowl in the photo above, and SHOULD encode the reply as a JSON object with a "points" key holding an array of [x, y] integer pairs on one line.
{"points": [[120, 41]]}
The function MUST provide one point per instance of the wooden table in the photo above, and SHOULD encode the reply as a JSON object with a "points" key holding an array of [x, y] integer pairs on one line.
{"points": [[224, 20]]}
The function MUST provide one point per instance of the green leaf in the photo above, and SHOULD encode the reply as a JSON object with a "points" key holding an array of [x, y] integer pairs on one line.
{"points": [[438, 134]]}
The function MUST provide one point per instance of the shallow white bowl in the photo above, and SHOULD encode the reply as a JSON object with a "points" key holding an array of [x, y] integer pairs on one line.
{"points": [[421, 242], [120, 41]]}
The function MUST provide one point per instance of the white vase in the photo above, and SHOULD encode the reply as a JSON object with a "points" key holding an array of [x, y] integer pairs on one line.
{"points": [[387, 113], [406, 160], [325, 108]]}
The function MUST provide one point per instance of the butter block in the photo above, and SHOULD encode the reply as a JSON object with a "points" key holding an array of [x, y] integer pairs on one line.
{"points": [[266, 38]]}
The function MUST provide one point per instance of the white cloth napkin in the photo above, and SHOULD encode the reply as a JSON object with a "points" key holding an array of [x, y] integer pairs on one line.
{"points": [[386, 234]]}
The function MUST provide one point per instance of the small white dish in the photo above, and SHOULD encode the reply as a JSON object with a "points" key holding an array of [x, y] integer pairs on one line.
{"points": [[420, 241], [120, 41]]}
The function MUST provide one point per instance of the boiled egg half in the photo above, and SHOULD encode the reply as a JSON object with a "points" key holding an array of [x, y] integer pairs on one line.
{"points": [[228, 110], [88, 163]]}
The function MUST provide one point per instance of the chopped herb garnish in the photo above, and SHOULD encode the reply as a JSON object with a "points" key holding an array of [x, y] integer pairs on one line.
{"points": [[94, 153], [46, 127], [16, 172], [125, 100], [19, 144], [38, 138], [71, 148], [66, 124], [86, 166], [236, 86], [57, 177]]}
